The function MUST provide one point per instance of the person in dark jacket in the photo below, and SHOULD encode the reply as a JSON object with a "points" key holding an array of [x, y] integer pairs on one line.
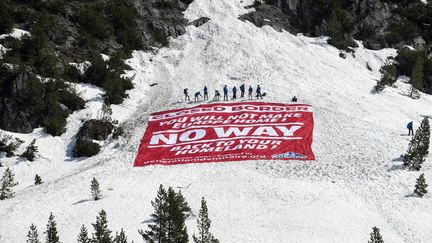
{"points": [[185, 92], [197, 95], [225, 91], [410, 128], [294, 99], [250, 91], [234, 93], [242, 91], [205, 93], [258, 92], [217, 95]]}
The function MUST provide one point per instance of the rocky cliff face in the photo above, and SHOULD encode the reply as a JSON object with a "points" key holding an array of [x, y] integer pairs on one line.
{"points": [[367, 20], [15, 115], [159, 20]]}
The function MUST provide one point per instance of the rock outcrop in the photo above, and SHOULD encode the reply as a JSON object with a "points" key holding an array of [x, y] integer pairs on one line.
{"points": [[15, 111]]}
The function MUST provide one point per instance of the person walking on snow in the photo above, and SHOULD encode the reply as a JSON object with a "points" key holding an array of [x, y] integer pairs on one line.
{"points": [[185, 92], [410, 128], [217, 95], [250, 91], [242, 91], [225, 91], [234, 93], [197, 95], [258, 92], [205, 93], [294, 99]]}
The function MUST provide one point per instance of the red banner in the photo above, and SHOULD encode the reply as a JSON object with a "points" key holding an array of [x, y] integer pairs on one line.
{"points": [[228, 132]]}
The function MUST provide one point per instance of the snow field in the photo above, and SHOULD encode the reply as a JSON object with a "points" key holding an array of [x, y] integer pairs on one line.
{"points": [[354, 184]]}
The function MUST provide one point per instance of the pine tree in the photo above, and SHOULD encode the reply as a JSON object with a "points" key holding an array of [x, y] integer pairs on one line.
{"points": [[30, 153], [418, 147], [388, 76], [120, 238], [33, 236], [6, 183], [38, 180], [51, 231], [101, 232], [375, 236], [177, 214], [95, 190], [157, 230], [420, 187], [417, 77], [83, 235], [171, 211], [204, 224]]}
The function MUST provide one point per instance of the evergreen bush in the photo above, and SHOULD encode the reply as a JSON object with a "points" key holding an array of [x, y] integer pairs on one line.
{"points": [[419, 147], [38, 180], [375, 236], [6, 183], [420, 187], [85, 148], [95, 190], [51, 231], [102, 234], [33, 236], [30, 153]]}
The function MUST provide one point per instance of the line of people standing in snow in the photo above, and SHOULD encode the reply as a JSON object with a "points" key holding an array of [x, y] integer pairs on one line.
{"points": [[217, 96]]}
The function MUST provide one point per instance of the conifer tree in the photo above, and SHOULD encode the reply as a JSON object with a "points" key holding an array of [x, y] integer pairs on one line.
{"points": [[177, 214], [120, 237], [419, 147], [101, 232], [388, 76], [95, 190], [157, 230], [6, 183], [33, 236], [38, 180], [417, 77], [30, 153], [171, 211], [375, 236], [51, 231], [420, 187], [83, 235], [204, 224]]}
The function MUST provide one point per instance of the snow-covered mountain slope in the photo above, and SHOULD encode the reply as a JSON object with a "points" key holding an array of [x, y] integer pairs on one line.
{"points": [[355, 183]]}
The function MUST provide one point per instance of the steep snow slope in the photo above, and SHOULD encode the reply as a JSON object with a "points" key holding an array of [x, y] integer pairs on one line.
{"points": [[354, 184]]}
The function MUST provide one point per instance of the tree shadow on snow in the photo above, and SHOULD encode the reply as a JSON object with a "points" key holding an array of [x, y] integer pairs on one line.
{"points": [[147, 221], [411, 195], [81, 201], [396, 167]]}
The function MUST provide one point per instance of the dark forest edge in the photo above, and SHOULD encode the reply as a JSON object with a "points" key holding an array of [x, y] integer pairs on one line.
{"points": [[36, 75]]}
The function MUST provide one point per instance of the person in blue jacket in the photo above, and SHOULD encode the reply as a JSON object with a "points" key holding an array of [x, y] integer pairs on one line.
{"points": [[197, 95], [234, 93], [225, 91], [242, 91], [258, 92], [205, 93], [250, 91], [410, 128], [185, 92]]}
